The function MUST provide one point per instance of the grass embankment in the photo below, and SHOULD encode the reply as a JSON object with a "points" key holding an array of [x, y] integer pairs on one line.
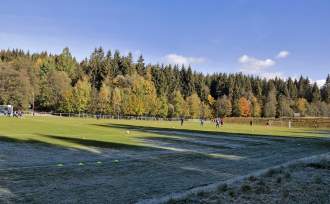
{"points": [[84, 132]]}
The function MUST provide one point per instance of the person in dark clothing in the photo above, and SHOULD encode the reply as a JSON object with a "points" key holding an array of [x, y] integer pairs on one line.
{"points": [[251, 123], [182, 121], [202, 122]]}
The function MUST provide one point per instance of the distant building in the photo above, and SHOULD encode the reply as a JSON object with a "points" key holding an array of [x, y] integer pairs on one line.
{"points": [[6, 110]]}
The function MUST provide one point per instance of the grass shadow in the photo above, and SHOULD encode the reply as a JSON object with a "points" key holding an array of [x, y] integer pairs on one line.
{"points": [[98, 143], [31, 141], [75, 141], [320, 141]]}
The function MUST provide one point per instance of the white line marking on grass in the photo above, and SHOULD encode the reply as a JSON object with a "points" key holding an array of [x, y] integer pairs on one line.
{"points": [[226, 156], [213, 155]]}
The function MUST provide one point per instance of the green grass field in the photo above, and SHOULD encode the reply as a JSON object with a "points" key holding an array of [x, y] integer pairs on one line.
{"points": [[41, 157], [63, 131]]}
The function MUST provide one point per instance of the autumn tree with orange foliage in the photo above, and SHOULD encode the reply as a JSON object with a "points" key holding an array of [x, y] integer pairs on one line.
{"points": [[244, 107]]}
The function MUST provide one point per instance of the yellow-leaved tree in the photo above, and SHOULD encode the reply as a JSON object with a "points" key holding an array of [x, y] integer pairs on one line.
{"points": [[194, 105], [244, 107], [302, 106]]}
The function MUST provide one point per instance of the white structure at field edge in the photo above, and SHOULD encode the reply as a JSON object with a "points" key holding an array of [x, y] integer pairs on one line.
{"points": [[6, 110]]}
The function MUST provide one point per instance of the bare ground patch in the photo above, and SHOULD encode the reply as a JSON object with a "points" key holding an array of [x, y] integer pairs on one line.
{"points": [[303, 181]]}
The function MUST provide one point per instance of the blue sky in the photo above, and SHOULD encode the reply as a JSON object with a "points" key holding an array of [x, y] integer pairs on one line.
{"points": [[263, 37]]}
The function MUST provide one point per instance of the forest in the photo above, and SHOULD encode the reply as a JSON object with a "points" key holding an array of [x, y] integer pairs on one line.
{"points": [[116, 84]]}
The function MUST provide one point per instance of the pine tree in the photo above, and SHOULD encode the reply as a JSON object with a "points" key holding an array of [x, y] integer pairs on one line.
{"points": [[140, 66], [316, 95], [271, 102], [326, 90]]}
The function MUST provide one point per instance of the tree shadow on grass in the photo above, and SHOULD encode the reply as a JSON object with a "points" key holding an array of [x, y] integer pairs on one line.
{"points": [[29, 140], [98, 143], [76, 141]]}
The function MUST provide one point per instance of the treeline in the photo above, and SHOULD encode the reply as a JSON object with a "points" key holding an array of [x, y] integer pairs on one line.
{"points": [[111, 83]]}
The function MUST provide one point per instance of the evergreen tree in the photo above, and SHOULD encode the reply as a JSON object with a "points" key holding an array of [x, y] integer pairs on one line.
{"points": [[316, 95], [326, 90], [96, 68], [140, 66], [271, 102], [54, 82]]}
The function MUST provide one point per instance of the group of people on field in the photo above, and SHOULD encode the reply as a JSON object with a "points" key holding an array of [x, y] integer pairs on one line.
{"points": [[18, 114], [217, 121]]}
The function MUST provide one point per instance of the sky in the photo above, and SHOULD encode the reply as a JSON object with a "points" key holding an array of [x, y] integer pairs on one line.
{"points": [[261, 37]]}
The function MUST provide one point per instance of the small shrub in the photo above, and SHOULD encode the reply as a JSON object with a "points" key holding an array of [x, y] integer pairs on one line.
{"points": [[261, 188], [223, 188], [231, 193], [245, 188]]}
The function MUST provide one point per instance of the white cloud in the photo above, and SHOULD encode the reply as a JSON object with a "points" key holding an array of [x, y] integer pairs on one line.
{"points": [[319, 82], [253, 65], [283, 54], [179, 59]]}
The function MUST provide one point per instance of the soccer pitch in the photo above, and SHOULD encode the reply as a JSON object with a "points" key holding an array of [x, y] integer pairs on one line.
{"points": [[84, 160], [127, 132]]}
